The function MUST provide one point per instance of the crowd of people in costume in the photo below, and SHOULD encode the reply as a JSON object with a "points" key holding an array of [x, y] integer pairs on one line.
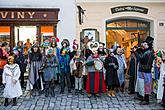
{"points": [[94, 69]]}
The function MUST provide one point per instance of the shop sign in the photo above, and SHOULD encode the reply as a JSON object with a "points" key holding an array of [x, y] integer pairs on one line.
{"points": [[29, 14], [130, 9]]}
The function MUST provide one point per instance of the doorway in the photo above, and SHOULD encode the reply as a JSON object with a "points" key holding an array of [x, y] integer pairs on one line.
{"points": [[22, 33], [126, 33]]}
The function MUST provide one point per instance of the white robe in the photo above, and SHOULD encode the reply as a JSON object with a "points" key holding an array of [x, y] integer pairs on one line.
{"points": [[10, 73], [161, 82]]}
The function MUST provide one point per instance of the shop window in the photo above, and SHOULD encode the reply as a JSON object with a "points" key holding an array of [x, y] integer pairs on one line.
{"points": [[46, 33], [4, 34]]}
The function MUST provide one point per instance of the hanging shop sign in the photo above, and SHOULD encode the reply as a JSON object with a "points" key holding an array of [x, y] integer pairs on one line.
{"points": [[130, 9]]}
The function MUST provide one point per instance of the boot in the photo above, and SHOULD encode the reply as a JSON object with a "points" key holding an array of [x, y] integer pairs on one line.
{"points": [[81, 92], [52, 92], [14, 101], [76, 91], [6, 102], [46, 92], [113, 93]]}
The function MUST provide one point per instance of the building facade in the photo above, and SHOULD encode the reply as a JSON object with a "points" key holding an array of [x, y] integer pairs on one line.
{"points": [[45, 18], [125, 22]]}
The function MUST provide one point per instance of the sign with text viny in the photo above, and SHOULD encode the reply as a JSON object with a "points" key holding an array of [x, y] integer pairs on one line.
{"points": [[130, 9], [25, 14]]}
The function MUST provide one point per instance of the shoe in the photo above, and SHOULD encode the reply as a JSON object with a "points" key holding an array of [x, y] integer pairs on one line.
{"points": [[97, 95], [81, 92], [46, 92], [131, 92], [109, 93], [6, 102], [144, 103], [61, 92], [52, 92], [76, 91], [113, 93], [69, 91], [14, 102], [89, 95]]}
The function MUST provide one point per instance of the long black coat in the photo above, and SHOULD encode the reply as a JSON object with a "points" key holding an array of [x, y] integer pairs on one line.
{"points": [[111, 72]]}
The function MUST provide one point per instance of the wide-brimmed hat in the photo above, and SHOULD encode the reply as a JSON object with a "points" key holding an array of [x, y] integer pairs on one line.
{"points": [[65, 41]]}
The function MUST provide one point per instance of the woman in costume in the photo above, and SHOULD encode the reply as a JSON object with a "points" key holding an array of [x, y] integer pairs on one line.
{"points": [[122, 66], [11, 76], [111, 66], [20, 60], [95, 79], [35, 61], [50, 70]]}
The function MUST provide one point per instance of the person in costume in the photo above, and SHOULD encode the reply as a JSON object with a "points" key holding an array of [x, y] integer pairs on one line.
{"points": [[65, 70], [95, 79], [35, 61], [3, 58], [101, 49], [56, 52], [50, 70], [20, 59], [86, 52], [72, 54], [144, 72], [161, 80], [76, 65], [132, 71], [156, 72], [122, 66], [111, 66], [11, 76], [27, 46]]}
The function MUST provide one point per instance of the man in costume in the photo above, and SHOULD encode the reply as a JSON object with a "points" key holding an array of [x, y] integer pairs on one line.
{"points": [[144, 77], [95, 79], [132, 71]]}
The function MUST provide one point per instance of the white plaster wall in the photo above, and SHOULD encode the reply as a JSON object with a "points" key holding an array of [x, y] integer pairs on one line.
{"points": [[97, 13], [66, 28]]}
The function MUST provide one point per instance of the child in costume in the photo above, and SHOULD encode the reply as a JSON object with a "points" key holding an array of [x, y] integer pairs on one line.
{"points": [[11, 76], [76, 70]]}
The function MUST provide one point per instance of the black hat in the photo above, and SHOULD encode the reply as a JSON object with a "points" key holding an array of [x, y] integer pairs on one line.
{"points": [[65, 41], [149, 40], [102, 43]]}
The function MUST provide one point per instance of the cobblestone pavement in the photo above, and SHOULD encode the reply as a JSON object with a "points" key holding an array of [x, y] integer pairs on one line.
{"points": [[78, 102]]}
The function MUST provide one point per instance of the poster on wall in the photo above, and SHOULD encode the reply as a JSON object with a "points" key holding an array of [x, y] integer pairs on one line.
{"points": [[91, 34]]}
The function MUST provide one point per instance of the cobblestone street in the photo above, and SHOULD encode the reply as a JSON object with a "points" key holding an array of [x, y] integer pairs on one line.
{"points": [[78, 102]]}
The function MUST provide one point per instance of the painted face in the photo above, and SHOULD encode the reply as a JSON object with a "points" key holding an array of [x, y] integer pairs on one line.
{"points": [[35, 49], [64, 45], [95, 52], [145, 45], [11, 60]]}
